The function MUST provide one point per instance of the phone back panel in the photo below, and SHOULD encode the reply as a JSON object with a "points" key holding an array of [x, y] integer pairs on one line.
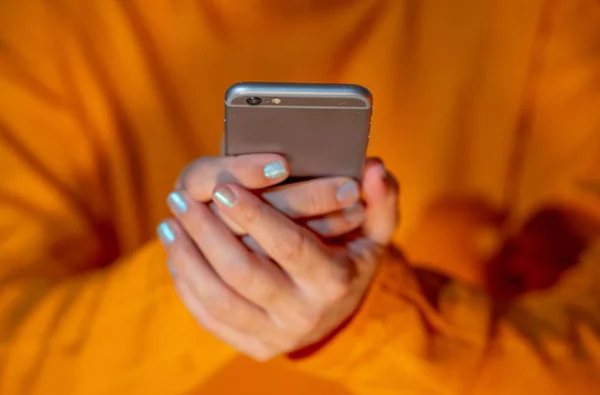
{"points": [[322, 129]]}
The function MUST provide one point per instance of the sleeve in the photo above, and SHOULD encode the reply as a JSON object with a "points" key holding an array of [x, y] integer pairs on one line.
{"points": [[536, 328], [74, 317]]}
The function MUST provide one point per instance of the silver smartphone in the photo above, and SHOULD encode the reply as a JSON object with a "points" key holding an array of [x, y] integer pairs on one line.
{"points": [[321, 129]]}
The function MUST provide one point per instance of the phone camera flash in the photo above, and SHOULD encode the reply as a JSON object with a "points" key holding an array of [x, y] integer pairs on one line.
{"points": [[276, 101]]}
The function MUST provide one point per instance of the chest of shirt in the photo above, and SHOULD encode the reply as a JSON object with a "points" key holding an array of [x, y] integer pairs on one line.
{"points": [[448, 83]]}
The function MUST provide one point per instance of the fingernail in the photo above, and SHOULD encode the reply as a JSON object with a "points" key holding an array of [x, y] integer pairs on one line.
{"points": [[354, 213], [177, 202], [348, 192], [382, 171], [165, 233], [172, 269], [275, 169], [225, 196]]}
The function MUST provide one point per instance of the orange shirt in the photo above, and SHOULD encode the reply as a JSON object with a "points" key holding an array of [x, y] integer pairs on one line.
{"points": [[480, 107]]}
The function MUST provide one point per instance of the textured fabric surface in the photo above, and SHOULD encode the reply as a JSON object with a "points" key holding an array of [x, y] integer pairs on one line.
{"points": [[487, 111]]}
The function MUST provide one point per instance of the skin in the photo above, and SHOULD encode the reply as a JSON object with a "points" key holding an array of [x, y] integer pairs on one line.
{"points": [[272, 270]]}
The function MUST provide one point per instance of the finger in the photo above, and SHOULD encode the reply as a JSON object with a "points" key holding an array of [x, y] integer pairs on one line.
{"points": [[243, 342], [338, 223], [381, 198], [331, 225], [255, 278], [209, 290], [253, 245], [228, 315], [233, 227], [252, 171], [306, 199], [315, 197], [298, 251]]}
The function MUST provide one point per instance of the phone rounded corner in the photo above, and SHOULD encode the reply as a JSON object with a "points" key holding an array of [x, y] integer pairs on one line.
{"points": [[364, 94], [233, 92]]}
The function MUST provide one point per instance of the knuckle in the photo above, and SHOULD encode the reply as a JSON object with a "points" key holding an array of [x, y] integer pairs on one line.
{"points": [[314, 199], [281, 343], [252, 212], [203, 163], [289, 344], [262, 356], [338, 287], [221, 306], [232, 225], [196, 222], [307, 322], [290, 247], [184, 179], [193, 178], [266, 294], [241, 276], [260, 352]]}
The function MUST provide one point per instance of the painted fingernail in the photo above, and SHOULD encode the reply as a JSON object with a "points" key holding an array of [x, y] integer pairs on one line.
{"points": [[348, 192], [165, 233], [225, 196], [172, 269], [275, 169], [177, 202], [354, 213]]}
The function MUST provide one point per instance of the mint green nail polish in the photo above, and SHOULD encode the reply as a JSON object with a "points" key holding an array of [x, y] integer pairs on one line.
{"points": [[226, 197], [348, 192], [177, 202], [275, 169], [165, 233]]}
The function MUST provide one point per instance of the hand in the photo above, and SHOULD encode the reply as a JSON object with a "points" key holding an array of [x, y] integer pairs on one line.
{"points": [[297, 289], [330, 207]]}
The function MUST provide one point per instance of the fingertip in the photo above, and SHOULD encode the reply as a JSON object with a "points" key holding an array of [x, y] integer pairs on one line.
{"points": [[373, 160], [256, 171], [225, 196], [374, 184], [253, 171], [276, 169], [348, 193], [374, 167], [166, 232]]}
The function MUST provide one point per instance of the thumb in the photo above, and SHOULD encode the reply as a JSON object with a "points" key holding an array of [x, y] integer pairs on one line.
{"points": [[381, 191]]}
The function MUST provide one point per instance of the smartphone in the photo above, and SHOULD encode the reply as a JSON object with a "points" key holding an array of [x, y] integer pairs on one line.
{"points": [[321, 129]]}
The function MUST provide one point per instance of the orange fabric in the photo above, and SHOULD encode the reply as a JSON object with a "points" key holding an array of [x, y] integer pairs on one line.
{"points": [[486, 110]]}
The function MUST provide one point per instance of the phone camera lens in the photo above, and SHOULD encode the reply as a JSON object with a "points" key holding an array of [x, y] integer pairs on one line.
{"points": [[253, 101]]}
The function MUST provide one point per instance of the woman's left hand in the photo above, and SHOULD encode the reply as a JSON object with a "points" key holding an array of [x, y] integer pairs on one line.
{"points": [[273, 285]]}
